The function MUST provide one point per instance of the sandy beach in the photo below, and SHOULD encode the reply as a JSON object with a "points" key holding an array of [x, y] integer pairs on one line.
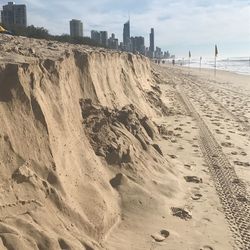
{"points": [[106, 150], [212, 118]]}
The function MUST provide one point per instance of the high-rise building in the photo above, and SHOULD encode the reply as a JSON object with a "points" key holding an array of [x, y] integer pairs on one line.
{"points": [[14, 14], [76, 28], [158, 53], [152, 41], [113, 42], [126, 36], [104, 38], [138, 45], [95, 36]]}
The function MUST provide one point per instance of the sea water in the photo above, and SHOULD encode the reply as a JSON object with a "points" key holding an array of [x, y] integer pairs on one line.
{"points": [[240, 65]]}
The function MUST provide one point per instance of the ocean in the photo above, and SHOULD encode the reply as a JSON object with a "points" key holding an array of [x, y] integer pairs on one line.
{"points": [[240, 65]]}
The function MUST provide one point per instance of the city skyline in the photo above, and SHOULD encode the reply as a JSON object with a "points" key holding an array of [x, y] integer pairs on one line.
{"points": [[180, 25], [14, 14], [134, 44]]}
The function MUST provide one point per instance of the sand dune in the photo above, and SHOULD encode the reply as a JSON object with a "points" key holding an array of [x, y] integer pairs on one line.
{"points": [[101, 150]]}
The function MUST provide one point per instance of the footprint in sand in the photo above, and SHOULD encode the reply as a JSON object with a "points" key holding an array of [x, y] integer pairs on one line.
{"points": [[227, 144], [181, 213], [178, 128], [172, 156], [206, 248], [243, 164], [193, 179], [243, 153], [196, 197], [160, 236], [218, 132], [234, 153], [187, 166]]}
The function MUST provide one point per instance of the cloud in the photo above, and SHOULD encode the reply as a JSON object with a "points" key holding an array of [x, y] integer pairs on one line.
{"points": [[179, 25]]}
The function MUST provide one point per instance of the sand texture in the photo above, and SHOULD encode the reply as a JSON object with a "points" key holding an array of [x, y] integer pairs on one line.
{"points": [[101, 149]]}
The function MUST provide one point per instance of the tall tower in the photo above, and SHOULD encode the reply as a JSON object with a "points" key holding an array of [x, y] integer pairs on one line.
{"points": [[76, 28], [126, 35], [104, 38], [152, 40], [14, 14]]}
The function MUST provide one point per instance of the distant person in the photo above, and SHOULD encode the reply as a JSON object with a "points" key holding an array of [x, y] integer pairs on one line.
{"points": [[173, 62]]}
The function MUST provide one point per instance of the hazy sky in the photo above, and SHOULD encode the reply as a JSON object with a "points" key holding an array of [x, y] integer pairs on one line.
{"points": [[180, 25]]}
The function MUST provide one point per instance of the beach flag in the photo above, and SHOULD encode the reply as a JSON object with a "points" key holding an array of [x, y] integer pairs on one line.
{"points": [[216, 50], [189, 54]]}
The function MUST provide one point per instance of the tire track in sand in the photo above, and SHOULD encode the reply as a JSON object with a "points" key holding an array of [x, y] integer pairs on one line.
{"points": [[231, 191], [237, 118]]}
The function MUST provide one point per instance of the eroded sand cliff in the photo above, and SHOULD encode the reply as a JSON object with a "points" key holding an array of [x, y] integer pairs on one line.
{"points": [[58, 181]]}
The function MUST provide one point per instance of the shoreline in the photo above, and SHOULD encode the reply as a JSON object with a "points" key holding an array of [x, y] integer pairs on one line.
{"points": [[218, 69], [221, 75], [205, 68]]}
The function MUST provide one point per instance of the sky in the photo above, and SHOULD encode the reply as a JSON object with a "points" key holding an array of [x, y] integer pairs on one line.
{"points": [[180, 25]]}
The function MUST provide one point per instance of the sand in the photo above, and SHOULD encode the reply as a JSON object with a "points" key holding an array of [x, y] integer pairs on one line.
{"points": [[105, 150]]}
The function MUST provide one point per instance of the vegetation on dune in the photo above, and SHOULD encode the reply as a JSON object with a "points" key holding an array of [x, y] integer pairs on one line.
{"points": [[42, 33]]}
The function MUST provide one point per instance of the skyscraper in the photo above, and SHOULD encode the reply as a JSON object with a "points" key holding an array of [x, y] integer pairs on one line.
{"points": [[104, 38], [76, 28], [152, 42], [95, 35], [113, 42], [14, 14], [138, 45], [126, 35]]}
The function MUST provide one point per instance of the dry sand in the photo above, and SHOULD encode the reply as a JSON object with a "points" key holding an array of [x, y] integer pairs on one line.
{"points": [[103, 150]]}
